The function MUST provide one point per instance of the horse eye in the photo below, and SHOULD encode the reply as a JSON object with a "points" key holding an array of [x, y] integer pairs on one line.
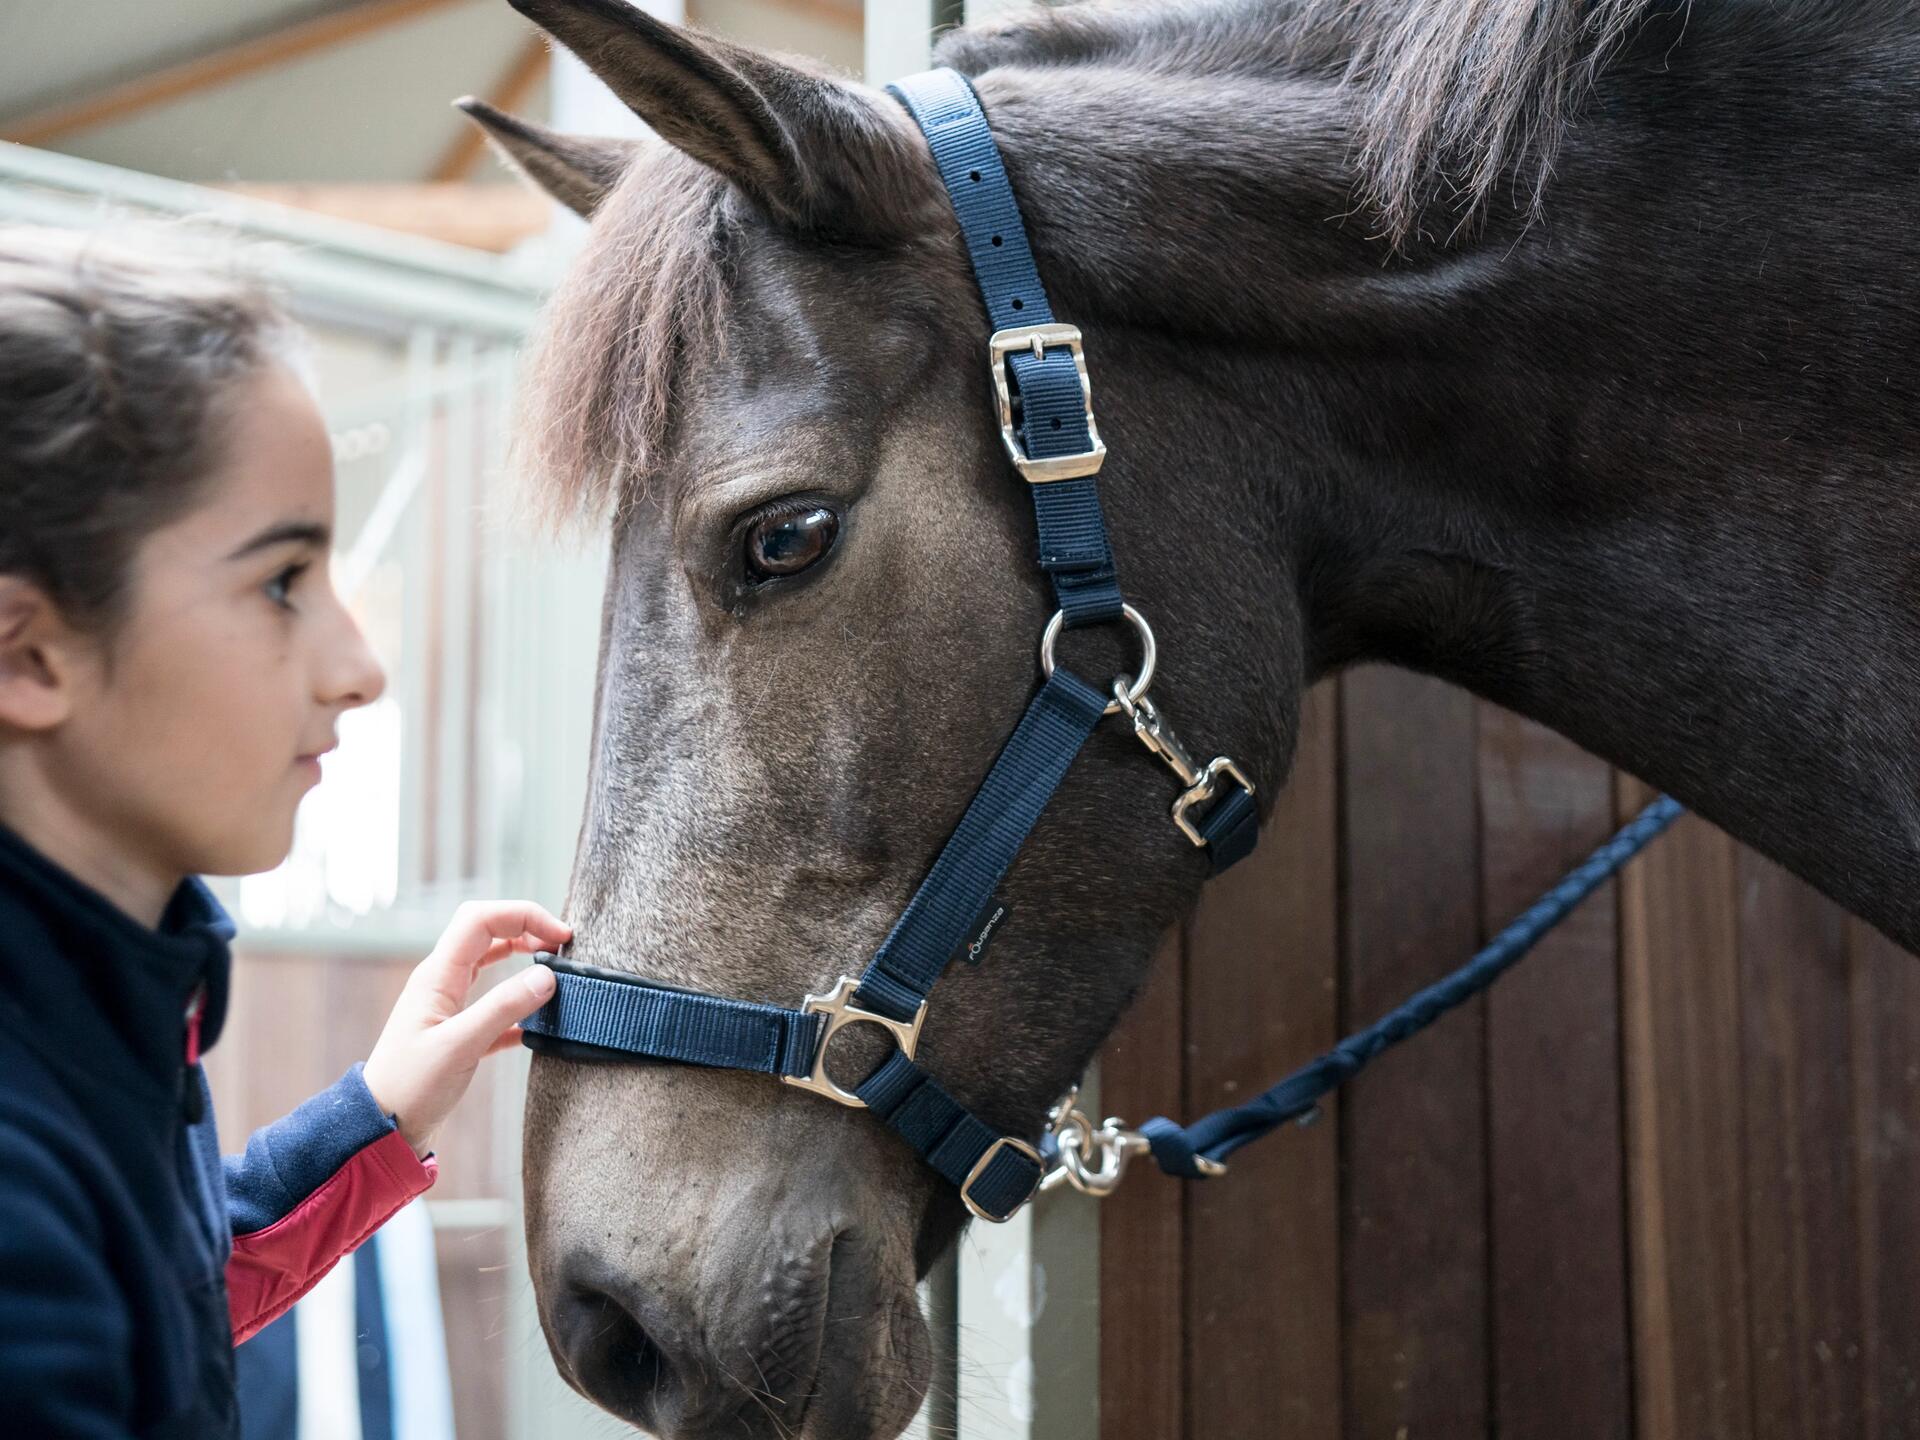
{"points": [[785, 543]]}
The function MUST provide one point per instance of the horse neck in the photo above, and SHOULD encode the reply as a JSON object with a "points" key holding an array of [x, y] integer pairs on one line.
{"points": [[1638, 471]]}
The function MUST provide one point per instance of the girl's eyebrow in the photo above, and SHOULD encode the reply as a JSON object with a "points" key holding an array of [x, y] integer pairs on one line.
{"points": [[287, 532]]}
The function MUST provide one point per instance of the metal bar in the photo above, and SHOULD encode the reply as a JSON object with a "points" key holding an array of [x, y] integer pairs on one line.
{"points": [[332, 270], [453, 758], [411, 680]]}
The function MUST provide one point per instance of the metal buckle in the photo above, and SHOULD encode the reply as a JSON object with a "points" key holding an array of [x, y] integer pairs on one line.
{"points": [[1038, 338], [1005, 1142], [1202, 791], [1157, 735], [840, 1013]]}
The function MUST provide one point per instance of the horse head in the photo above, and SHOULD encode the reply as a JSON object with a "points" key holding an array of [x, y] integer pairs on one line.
{"points": [[768, 370]]}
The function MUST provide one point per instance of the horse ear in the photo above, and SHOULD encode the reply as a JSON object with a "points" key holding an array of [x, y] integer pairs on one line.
{"points": [[577, 170], [811, 151]]}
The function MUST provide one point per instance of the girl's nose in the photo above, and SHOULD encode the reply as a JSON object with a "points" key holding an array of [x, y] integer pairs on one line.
{"points": [[352, 676]]}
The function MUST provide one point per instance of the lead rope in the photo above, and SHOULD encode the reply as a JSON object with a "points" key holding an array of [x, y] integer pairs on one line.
{"points": [[1093, 1160]]}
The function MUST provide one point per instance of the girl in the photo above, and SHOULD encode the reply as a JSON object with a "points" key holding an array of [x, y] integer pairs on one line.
{"points": [[173, 662]]}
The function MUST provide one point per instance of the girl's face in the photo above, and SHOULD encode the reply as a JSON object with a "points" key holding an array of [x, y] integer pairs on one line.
{"points": [[198, 727]]}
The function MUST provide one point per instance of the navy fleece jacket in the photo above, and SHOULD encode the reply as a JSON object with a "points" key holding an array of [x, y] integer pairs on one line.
{"points": [[131, 1256]]}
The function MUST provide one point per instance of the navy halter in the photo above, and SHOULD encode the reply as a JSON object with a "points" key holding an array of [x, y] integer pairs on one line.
{"points": [[1038, 373]]}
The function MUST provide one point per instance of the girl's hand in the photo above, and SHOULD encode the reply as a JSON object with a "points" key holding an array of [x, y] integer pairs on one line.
{"points": [[431, 1046]]}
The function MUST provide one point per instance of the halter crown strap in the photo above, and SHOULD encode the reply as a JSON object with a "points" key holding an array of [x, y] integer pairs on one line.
{"points": [[1047, 379]]}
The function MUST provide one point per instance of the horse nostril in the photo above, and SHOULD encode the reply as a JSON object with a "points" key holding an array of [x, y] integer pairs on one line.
{"points": [[615, 1360]]}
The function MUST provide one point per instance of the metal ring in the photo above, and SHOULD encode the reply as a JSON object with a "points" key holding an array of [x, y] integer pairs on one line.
{"points": [[1149, 652]]}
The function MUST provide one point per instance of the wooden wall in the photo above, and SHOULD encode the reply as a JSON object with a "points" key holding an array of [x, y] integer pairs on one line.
{"points": [[1663, 1182]]}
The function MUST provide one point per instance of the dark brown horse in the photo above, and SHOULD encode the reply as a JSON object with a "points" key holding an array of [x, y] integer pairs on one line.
{"points": [[1564, 350]]}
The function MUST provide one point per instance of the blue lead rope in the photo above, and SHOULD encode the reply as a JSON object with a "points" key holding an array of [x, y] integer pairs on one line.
{"points": [[1298, 1096]]}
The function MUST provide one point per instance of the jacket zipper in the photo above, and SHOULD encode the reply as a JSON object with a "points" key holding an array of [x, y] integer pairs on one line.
{"points": [[191, 1107]]}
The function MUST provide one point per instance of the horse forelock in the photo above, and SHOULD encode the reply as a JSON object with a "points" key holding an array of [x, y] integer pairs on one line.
{"points": [[647, 289]]}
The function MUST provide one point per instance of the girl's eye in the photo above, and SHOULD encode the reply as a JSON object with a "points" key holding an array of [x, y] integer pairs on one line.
{"points": [[280, 588], [789, 541]]}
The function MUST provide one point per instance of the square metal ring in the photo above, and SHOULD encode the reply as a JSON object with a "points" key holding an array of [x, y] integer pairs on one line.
{"points": [[1005, 1142], [1203, 790], [840, 1011]]}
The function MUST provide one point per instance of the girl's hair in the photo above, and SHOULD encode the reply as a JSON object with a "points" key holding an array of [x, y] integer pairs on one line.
{"points": [[118, 375]]}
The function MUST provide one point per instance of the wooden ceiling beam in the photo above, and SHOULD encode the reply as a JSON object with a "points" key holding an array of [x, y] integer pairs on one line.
{"points": [[217, 67], [486, 217], [523, 75]]}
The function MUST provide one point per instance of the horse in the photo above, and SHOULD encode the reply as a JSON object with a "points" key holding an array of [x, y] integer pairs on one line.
{"points": [[1561, 349]]}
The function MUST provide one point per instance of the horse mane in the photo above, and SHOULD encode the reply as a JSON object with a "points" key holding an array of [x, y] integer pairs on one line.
{"points": [[1446, 98], [1447, 101], [1451, 98]]}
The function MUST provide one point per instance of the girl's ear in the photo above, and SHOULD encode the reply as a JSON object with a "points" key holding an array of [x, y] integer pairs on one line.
{"points": [[576, 170], [814, 153], [37, 659]]}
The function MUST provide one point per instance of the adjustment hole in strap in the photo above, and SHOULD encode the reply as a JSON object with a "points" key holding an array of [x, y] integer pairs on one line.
{"points": [[1055, 422], [974, 175], [998, 241], [1018, 303]]}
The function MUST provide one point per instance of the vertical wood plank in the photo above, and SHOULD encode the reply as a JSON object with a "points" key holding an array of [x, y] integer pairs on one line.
{"points": [[1556, 1179], [1886, 1036], [1413, 1127], [1680, 989], [1142, 1349], [473, 1300], [1802, 1196], [1263, 1275], [280, 1004]]}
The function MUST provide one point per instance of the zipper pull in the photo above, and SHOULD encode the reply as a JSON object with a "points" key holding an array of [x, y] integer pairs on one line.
{"points": [[191, 1108], [195, 1006]]}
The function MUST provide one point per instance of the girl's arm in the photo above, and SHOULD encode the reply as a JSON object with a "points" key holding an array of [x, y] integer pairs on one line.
{"points": [[313, 1186], [308, 1189]]}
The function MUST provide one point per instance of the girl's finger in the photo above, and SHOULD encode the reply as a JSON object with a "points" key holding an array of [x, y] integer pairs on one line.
{"points": [[475, 1029], [476, 925], [507, 1040], [498, 950]]}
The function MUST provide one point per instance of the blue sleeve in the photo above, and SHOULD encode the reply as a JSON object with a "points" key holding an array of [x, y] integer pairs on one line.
{"points": [[287, 1161], [66, 1343]]}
